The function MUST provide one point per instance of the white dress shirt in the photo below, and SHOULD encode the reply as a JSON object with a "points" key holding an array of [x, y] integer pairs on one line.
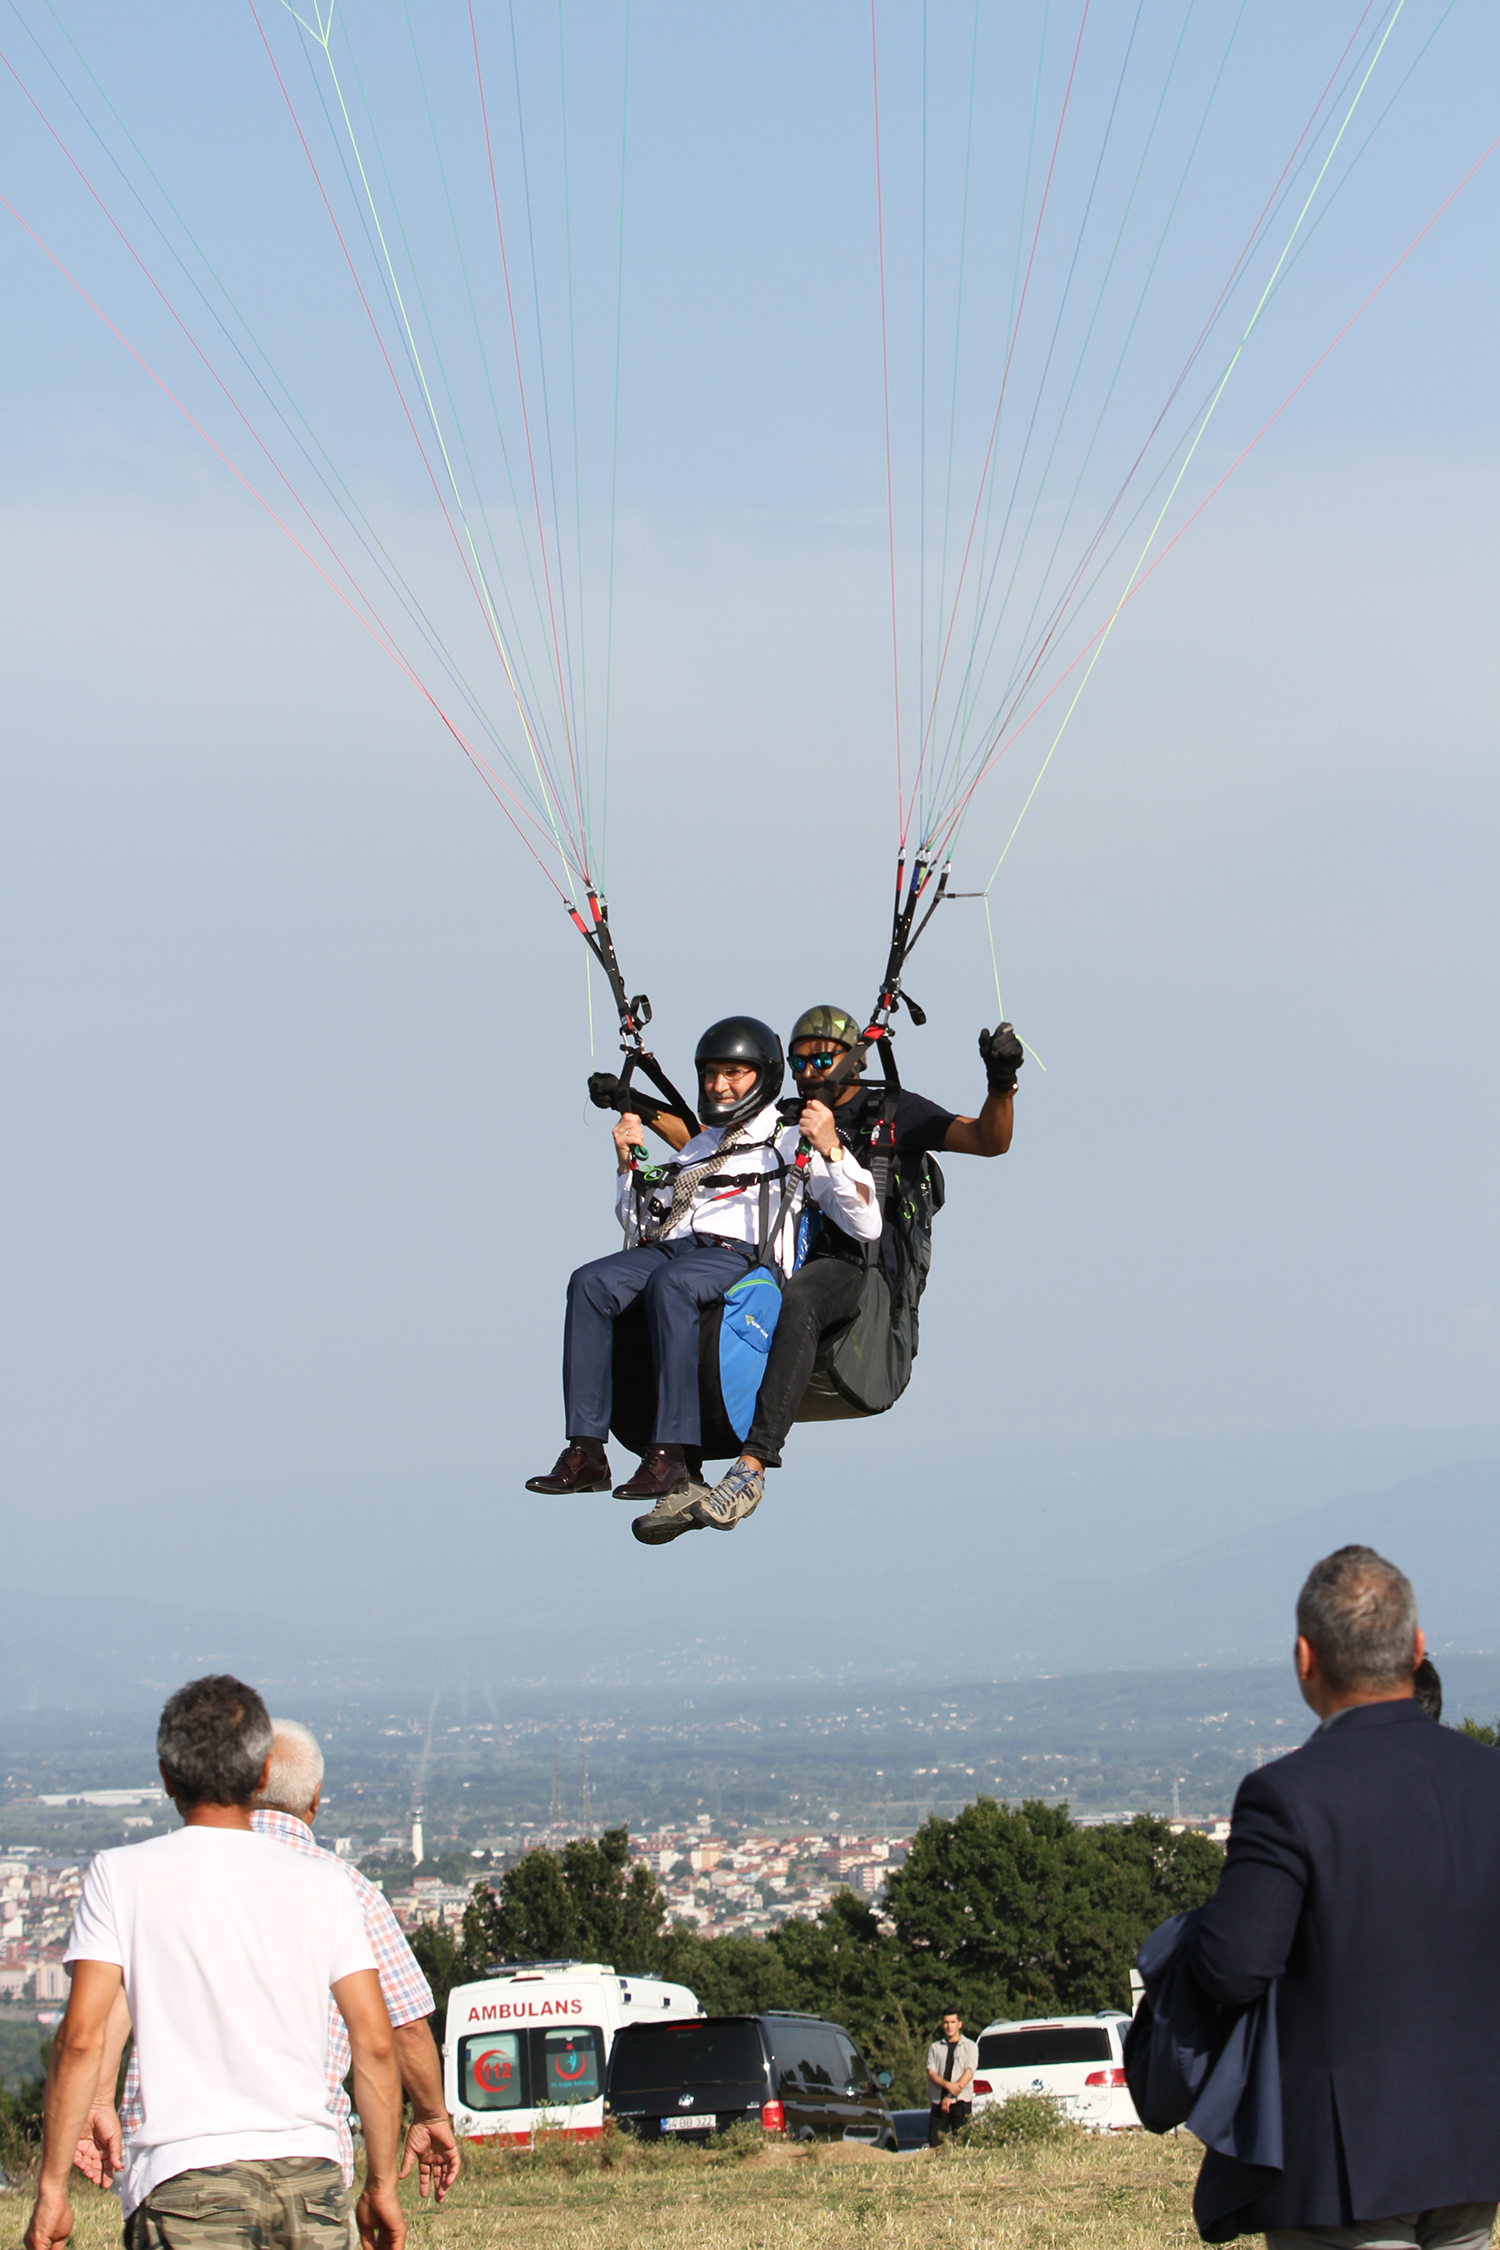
{"points": [[844, 1190]]}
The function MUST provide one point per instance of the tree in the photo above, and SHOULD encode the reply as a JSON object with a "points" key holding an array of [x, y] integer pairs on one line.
{"points": [[1019, 1913], [731, 1976], [443, 1961], [585, 1903], [842, 1965]]}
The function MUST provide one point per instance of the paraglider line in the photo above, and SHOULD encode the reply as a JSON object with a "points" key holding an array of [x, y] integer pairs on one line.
{"points": [[565, 653], [995, 967], [1004, 380], [614, 464], [1000, 749], [376, 630], [548, 788], [525, 415], [1037, 403], [479, 586], [1058, 616], [363, 530], [885, 372]]}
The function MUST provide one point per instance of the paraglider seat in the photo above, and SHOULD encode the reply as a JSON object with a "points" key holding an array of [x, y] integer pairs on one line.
{"points": [[862, 1368]]}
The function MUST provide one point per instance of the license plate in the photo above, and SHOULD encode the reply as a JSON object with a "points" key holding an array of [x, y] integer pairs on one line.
{"points": [[689, 2124]]}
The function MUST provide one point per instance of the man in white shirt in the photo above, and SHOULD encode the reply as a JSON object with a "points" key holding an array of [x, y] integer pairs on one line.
{"points": [[731, 1186], [951, 2063], [285, 1807], [226, 1946]]}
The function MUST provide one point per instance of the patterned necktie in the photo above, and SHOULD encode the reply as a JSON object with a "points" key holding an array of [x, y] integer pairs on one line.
{"points": [[685, 1186]]}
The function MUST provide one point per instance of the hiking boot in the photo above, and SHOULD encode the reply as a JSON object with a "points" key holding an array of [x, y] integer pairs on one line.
{"points": [[658, 1476], [736, 1495], [576, 1469], [671, 1516]]}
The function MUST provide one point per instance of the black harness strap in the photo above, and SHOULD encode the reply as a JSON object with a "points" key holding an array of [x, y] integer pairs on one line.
{"points": [[607, 1091]]}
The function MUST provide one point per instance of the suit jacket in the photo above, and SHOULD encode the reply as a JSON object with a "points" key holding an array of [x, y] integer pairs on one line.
{"points": [[1213, 2069], [1363, 1871]]}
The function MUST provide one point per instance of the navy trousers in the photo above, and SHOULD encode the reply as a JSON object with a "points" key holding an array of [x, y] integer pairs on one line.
{"points": [[677, 1279]]}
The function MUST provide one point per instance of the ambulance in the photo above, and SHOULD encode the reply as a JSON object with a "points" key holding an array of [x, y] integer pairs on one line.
{"points": [[527, 2047]]}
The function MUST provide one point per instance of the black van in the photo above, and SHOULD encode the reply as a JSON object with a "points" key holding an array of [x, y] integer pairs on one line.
{"points": [[792, 2074]]}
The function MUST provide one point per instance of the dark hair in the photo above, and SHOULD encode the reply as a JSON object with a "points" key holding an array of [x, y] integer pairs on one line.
{"points": [[1360, 1614], [1428, 1688], [213, 1741], [944, 2013]]}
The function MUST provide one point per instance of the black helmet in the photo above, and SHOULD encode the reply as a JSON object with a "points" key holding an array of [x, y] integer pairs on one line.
{"points": [[754, 1045]]}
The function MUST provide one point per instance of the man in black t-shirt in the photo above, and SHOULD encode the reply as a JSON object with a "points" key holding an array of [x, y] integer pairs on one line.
{"points": [[826, 1289]]}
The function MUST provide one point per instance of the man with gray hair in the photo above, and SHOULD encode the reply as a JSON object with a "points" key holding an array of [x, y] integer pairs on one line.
{"points": [[1362, 1882], [286, 1805], [223, 1949]]}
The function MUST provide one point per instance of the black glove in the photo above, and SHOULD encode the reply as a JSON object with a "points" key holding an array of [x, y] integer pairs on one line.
{"points": [[1002, 1054]]}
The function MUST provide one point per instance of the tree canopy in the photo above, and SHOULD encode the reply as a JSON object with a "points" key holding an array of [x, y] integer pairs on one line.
{"points": [[1001, 1912]]}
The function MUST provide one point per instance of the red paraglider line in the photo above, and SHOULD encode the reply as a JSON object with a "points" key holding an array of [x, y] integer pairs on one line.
{"points": [[902, 815], [192, 340], [385, 355], [530, 457], [999, 752], [377, 631], [999, 406]]}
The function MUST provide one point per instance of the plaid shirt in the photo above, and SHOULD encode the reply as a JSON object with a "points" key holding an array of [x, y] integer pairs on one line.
{"points": [[403, 1987]]}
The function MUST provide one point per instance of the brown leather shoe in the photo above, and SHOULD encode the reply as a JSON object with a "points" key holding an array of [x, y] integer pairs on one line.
{"points": [[576, 1470], [657, 1475]]}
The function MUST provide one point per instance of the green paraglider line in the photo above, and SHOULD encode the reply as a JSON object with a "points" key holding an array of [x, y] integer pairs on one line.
{"points": [[949, 827], [376, 630], [995, 966], [1207, 414], [614, 465], [369, 538], [989, 499], [481, 587], [885, 371], [999, 404], [583, 644], [499, 640], [971, 693], [463, 267]]}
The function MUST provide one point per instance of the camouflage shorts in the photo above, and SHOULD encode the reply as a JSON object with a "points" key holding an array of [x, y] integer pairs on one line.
{"points": [[288, 2203]]}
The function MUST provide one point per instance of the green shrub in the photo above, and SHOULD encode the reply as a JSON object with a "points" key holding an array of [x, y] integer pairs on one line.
{"points": [[1024, 2121], [745, 2137]]}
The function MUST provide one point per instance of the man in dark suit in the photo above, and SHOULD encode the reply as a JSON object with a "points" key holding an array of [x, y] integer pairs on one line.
{"points": [[1363, 1873]]}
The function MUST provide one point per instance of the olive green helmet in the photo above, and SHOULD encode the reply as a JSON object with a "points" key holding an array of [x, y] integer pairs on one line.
{"points": [[833, 1024]]}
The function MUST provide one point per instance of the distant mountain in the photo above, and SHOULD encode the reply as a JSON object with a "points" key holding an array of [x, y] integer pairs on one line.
{"points": [[957, 1587], [1231, 1600]]}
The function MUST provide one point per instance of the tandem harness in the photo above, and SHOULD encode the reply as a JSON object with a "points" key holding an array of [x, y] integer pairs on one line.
{"points": [[750, 1307]]}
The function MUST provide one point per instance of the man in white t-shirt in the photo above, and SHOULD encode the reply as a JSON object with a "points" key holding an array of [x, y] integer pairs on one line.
{"points": [[226, 1947]]}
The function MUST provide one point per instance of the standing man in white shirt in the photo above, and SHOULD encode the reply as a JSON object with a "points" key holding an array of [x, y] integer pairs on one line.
{"points": [[951, 2063], [286, 1806], [226, 1947], [694, 1239]]}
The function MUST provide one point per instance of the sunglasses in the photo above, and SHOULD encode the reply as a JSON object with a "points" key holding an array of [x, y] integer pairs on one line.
{"points": [[813, 1062]]}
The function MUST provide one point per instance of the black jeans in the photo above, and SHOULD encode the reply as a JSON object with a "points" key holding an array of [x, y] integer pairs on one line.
{"points": [[949, 2120], [825, 1292]]}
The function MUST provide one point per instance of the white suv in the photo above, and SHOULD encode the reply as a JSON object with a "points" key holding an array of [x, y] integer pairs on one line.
{"points": [[1079, 2060]]}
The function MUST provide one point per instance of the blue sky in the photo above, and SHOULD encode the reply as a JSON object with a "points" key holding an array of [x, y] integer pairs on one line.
{"points": [[298, 1155]]}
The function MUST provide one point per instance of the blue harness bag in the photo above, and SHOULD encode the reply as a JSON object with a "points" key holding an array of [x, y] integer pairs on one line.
{"points": [[752, 1308]]}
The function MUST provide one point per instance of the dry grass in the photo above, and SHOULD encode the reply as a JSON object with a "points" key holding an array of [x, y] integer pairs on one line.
{"points": [[1127, 2193]]}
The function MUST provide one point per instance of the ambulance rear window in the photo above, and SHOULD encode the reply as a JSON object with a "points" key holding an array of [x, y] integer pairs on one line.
{"points": [[570, 2067], [490, 2071]]}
